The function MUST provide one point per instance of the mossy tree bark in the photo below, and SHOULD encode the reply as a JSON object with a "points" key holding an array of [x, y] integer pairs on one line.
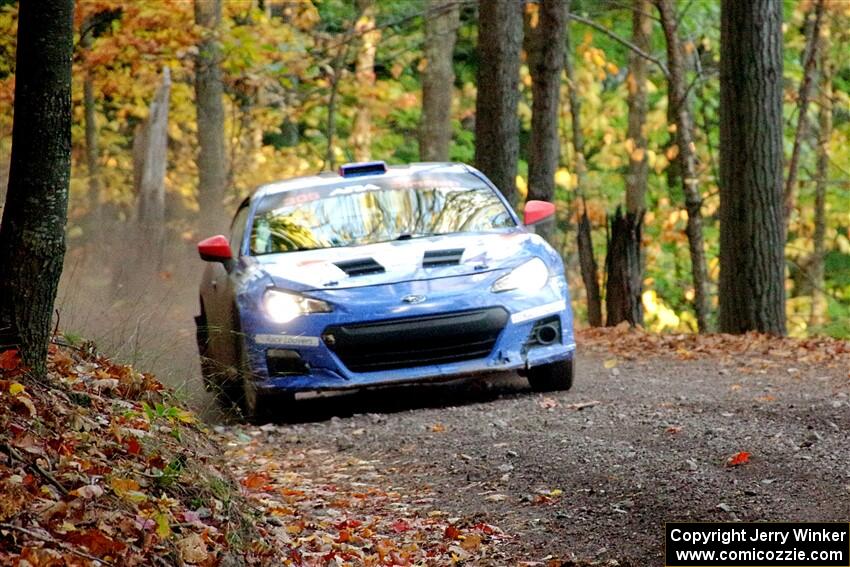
{"points": [[32, 235]]}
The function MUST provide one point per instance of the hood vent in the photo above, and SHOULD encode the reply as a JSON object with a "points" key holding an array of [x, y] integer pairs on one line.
{"points": [[434, 258], [360, 267]]}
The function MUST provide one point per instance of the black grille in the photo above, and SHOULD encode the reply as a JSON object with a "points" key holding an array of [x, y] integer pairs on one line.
{"points": [[417, 341], [449, 257], [360, 267]]}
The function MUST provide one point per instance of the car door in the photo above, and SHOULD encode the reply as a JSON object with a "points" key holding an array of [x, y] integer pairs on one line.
{"points": [[219, 297]]}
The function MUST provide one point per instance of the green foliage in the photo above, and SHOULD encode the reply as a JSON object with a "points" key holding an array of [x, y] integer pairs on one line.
{"points": [[281, 70]]}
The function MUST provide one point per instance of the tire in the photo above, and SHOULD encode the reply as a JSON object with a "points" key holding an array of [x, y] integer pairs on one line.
{"points": [[219, 379], [552, 377], [259, 407]]}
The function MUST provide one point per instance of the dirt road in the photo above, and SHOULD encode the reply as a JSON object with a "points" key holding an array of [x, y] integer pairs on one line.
{"points": [[588, 475]]}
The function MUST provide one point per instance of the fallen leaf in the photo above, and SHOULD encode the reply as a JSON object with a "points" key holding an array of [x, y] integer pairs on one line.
{"points": [[738, 459], [255, 481], [438, 428], [192, 549], [96, 542], [471, 542], [88, 492], [163, 528], [15, 388], [122, 486], [400, 526], [610, 363], [548, 403], [9, 359], [451, 532], [133, 446]]}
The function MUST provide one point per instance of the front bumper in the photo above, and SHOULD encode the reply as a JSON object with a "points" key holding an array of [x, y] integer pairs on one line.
{"points": [[374, 338]]}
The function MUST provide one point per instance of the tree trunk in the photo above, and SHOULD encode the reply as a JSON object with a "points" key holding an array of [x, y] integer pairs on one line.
{"points": [[361, 134], [496, 120], [818, 313], [32, 235], [813, 41], [150, 150], [209, 89], [752, 263], [92, 153], [677, 97], [330, 128], [622, 293], [586, 257], [435, 129], [623, 262], [545, 49]]}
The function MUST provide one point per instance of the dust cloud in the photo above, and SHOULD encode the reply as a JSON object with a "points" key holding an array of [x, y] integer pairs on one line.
{"points": [[135, 312]]}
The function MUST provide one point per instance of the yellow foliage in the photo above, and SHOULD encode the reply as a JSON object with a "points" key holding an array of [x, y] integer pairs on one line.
{"points": [[521, 186], [657, 316], [562, 178]]}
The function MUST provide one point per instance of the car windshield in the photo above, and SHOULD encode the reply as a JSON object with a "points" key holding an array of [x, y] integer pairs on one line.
{"points": [[367, 212]]}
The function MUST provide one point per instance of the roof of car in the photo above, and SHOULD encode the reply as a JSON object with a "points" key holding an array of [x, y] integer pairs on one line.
{"points": [[333, 177]]}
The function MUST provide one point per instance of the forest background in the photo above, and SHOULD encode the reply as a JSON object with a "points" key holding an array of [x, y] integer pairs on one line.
{"points": [[308, 85]]}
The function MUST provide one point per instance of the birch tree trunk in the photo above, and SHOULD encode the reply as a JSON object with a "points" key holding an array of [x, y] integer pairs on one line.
{"points": [[435, 128]]}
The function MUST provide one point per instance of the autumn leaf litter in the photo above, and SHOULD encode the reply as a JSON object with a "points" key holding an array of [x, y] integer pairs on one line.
{"points": [[100, 465]]}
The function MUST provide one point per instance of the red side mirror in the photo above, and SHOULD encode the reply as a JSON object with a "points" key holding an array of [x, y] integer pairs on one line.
{"points": [[536, 211], [215, 249]]}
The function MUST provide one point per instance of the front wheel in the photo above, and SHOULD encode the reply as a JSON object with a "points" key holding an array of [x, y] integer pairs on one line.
{"points": [[261, 407], [552, 377]]}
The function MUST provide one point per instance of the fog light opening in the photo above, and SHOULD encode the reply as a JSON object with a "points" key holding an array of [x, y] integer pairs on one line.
{"points": [[546, 334]]}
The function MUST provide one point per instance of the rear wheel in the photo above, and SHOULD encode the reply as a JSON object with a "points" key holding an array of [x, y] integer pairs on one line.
{"points": [[552, 377]]}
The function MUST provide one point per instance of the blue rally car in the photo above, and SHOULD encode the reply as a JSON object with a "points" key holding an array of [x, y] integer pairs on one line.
{"points": [[379, 275]]}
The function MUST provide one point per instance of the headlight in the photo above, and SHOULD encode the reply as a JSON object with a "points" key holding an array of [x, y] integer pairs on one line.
{"points": [[283, 306], [529, 276]]}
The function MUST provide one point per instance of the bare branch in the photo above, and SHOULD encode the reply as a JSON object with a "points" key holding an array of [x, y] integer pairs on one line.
{"points": [[621, 40]]}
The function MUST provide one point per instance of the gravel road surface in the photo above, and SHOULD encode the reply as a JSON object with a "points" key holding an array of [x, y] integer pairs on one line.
{"points": [[592, 474]]}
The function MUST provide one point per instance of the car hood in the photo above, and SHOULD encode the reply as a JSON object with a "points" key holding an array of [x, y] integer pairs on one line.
{"points": [[398, 261]]}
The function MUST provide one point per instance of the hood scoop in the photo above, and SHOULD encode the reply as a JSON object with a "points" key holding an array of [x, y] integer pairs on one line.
{"points": [[434, 258], [360, 267]]}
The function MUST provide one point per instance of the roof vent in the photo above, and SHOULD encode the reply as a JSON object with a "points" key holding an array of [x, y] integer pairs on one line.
{"points": [[362, 168], [360, 267], [450, 257]]}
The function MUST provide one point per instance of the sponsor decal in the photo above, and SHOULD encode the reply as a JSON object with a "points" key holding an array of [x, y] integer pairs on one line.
{"points": [[539, 311], [287, 340]]}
